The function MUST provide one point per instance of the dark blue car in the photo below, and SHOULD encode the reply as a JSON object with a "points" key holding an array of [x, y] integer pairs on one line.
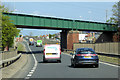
{"points": [[84, 56]]}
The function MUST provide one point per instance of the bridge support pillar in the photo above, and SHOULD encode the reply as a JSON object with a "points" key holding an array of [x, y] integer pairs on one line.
{"points": [[72, 37], [105, 37], [68, 38], [63, 35]]}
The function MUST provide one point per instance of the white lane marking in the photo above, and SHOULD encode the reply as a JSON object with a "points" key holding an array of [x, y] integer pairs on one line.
{"points": [[109, 64], [35, 65], [30, 72], [34, 68], [26, 78], [29, 75], [99, 61]]}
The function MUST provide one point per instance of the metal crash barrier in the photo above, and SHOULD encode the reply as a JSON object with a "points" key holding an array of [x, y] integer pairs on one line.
{"points": [[9, 57]]}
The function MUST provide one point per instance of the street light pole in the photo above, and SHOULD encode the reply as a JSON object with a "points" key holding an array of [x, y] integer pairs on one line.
{"points": [[106, 15]]}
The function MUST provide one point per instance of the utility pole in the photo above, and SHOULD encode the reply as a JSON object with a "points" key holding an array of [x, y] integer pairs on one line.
{"points": [[14, 5], [119, 14], [106, 15]]}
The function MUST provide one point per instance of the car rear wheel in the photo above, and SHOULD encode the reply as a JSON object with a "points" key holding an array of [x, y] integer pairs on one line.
{"points": [[44, 61], [59, 61], [96, 65], [71, 63], [74, 65]]}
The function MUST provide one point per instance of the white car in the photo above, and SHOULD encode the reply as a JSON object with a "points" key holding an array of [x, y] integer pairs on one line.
{"points": [[52, 52]]}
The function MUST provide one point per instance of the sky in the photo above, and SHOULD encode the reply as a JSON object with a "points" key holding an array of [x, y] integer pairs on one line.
{"points": [[87, 11]]}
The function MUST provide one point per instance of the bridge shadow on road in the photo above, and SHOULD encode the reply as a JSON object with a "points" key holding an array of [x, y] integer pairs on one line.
{"points": [[48, 62], [34, 52]]}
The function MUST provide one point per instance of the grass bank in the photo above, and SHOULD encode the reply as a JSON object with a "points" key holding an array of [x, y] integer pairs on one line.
{"points": [[112, 60], [20, 47]]}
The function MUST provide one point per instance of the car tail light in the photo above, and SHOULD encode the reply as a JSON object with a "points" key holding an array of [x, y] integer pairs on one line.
{"points": [[81, 55], [94, 55], [78, 54], [44, 52], [86, 54]]}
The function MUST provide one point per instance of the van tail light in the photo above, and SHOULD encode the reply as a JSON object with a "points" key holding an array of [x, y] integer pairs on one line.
{"points": [[44, 52], [60, 51]]}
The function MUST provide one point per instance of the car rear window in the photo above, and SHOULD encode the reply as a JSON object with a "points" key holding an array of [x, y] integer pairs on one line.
{"points": [[51, 48], [86, 52]]}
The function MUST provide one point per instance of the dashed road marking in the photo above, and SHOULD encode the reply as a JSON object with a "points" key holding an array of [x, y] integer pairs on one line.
{"points": [[35, 65], [29, 75], [32, 70]]}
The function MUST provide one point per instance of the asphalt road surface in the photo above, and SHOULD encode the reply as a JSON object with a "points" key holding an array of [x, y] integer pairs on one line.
{"points": [[64, 69]]}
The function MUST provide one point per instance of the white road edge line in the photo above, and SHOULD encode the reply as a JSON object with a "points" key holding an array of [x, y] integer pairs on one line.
{"points": [[30, 72], [29, 75], [35, 65], [27, 78], [109, 64], [99, 61]]}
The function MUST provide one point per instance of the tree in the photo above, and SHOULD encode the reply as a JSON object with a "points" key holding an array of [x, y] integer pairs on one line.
{"points": [[50, 35], [116, 20], [54, 35], [115, 16], [9, 31]]}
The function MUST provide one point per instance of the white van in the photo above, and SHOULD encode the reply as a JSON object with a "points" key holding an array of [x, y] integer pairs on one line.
{"points": [[52, 52]]}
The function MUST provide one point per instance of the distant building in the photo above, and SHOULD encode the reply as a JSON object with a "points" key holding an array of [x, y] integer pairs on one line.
{"points": [[47, 36], [88, 37], [57, 35], [82, 38], [116, 36], [43, 36]]}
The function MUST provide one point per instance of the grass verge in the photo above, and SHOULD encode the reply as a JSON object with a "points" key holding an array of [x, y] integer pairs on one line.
{"points": [[112, 60], [20, 47]]}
